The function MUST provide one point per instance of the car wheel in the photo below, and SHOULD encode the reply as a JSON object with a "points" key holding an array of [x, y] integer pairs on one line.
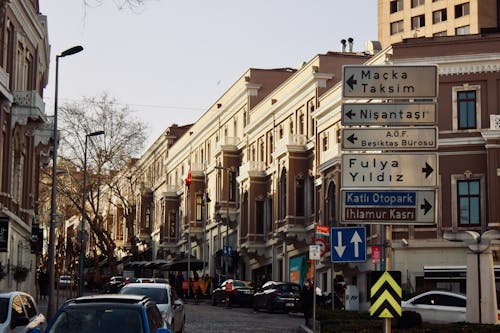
{"points": [[255, 306], [270, 307]]}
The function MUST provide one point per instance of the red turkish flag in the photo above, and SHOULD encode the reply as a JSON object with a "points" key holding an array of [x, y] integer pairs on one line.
{"points": [[189, 178]]}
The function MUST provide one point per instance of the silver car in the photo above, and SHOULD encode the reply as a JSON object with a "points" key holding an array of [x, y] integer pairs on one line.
{"points": [[18, 313], [169, 304]]}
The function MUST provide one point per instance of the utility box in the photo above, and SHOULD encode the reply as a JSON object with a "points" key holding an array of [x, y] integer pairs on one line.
{"points": [[351, 301]]}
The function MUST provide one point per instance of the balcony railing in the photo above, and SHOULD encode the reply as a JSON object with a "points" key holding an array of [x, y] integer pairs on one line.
{"points": [[252, 167], [28, 105], [495, 122]]}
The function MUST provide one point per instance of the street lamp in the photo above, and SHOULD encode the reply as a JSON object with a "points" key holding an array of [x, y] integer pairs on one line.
{"points": [[82, 226], [53, 207]]}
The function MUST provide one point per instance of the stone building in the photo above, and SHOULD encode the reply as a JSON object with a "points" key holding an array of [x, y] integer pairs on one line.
{"points": [[24, 137]]}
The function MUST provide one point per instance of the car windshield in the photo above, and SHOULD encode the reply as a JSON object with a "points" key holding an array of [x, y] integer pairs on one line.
{"points": [[4, 309], [88, 320], [159, 295]]}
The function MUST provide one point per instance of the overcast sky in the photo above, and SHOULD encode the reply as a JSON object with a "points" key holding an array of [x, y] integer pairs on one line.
{"points": [[171, 60]]}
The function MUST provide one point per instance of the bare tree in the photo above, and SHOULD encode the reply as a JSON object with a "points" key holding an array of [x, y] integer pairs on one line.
{"points": [[133, 5], [106, 154]]}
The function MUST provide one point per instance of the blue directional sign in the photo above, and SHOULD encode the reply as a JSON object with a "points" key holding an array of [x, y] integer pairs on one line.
{"points": [[227, 251], [404, 206], [348, 244]]}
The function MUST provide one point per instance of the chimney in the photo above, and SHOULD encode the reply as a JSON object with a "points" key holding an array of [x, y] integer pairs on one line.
{"points": [[343, 42], [350, 40]]}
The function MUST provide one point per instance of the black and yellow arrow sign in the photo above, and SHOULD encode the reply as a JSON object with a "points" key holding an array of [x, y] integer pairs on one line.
{"points": [[385, 294]]}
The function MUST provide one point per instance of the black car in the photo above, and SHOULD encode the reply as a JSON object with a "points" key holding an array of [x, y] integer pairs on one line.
{"points": [[276, 295], [241, 293], [108, 313]]}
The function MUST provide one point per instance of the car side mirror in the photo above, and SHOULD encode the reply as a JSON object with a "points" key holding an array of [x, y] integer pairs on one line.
{"points": [[163, 330], [19, 321]]}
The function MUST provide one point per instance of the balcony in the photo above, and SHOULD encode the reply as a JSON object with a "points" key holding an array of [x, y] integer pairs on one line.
{"points": [[291, 143], [253, 169], [27, 106], [227, 143]]}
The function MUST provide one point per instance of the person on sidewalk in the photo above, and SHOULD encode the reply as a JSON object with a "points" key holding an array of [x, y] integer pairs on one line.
{"points": [[43, 283], [307, 301]]}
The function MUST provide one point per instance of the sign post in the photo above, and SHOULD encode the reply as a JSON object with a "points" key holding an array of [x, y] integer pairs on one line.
{"points": [[384, 187]]}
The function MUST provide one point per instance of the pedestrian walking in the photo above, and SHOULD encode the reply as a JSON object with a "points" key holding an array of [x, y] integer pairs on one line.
{"points": [[307, 301], [43, 283]]}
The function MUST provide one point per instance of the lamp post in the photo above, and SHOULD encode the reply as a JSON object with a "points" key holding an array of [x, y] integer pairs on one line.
{"points": [[82, 226], [53, 207]]}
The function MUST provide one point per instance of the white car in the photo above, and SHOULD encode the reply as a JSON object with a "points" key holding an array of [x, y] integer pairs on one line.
{"points": [[438, 306], [169, 304], [18, 313]]}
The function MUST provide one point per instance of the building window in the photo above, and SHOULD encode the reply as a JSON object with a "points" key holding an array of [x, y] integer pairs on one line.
{"points": [[199, 207], [232, 185], [439, 34], [396, 27], [462, 10], [324, 142], [466, 109], [439, 16], [299, 196], [416, 3], [396, 6], [465, 30], [417, 22], [259, 217], [244, 215], [469, 200], [172, 224], [282, 196]]}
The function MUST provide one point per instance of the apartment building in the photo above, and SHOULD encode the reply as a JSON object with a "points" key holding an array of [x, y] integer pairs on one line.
{"points": [[25, 137], [402, 19]]}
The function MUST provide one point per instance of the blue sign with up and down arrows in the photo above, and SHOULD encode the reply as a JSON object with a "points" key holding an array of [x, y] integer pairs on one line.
{"points": [[348, 244]]}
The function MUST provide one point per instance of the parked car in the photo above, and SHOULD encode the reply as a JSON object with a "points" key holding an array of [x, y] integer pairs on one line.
{"points": [[241, 294], [438, 306], [276, 295], [114, 285], [108, 313], [19, 313], [165, 297]]}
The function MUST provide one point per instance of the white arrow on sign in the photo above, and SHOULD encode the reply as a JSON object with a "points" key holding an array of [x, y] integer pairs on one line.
{"points": [[356, 239], [340, 248]]}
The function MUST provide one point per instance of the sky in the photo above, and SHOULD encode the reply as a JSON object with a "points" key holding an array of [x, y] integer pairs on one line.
{"points": [[170, 60]]}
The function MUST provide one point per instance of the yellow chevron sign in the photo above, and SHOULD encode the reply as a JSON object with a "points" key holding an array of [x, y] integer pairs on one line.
{"points": [[385, 294]]}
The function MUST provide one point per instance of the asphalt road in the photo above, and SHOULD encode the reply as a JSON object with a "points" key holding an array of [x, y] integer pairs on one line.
{"points": [[205, 318]]}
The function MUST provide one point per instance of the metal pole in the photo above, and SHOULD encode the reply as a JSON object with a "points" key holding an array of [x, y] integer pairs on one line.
{"points": [[82, 226], [53, 207], [83, 239]]}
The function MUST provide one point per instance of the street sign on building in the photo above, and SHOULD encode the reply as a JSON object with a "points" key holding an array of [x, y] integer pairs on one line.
{"points": [[389, 138], [348, 244], [388, 114], [389, 170], [405, 206], [314, 252], [389, 81]]}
